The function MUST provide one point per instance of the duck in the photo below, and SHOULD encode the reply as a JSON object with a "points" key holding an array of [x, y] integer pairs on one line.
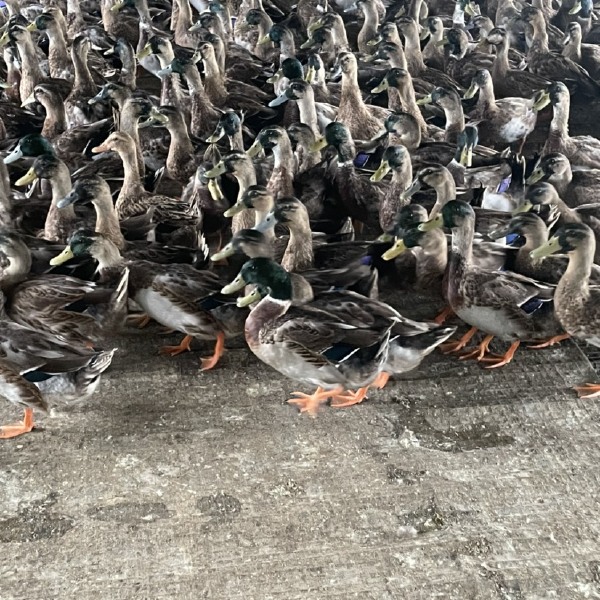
{"points": [[575, 186], [177, 296], [581, 150], [544, 194], [133, 199], [449, 101], [510, 82], [507, 120], [532, 228], [586, 55], [500, 303], [362, 121], [555, 67], [461, 63], [575, 300], [352, 338]]}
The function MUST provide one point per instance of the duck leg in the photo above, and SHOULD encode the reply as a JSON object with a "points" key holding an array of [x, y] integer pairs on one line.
{"points": [[551, 341], [381, 380], [11, 431], [310, 403], [500, 361], [139, 321], [450, 347], [349, 398], [588, 390], [479, 351], [443, 316], [175, 350], [211, 361]]}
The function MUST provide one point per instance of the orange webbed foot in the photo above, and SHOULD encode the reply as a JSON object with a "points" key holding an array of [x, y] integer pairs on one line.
{"points": [[588, 390], [310, 403], [556, 339], [451, 347], [501, 361], [381, 380], [140, 321], [478, 353], [349, 398], [184, 346], [443, 316], [11, 431], [211, 362]]}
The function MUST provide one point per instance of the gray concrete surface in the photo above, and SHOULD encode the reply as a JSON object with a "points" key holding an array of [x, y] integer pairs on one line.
{"points": [[454, 483]]}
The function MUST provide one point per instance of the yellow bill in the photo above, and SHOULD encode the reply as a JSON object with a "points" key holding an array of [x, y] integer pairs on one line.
{"points": [[525, 207], [248, 299], [398, 248], [63, 257], [28, 178], [383, 169], [235, 286], [552, 246], [436, 223]]}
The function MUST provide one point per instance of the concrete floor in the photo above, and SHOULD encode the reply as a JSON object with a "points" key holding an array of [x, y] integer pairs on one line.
{"points": [[454, 483]]}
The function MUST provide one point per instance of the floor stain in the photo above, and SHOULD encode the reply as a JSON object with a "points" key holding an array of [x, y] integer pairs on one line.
{"points": [[428, 518], [34, 522], [219, 506], [131, 512], [398, 475]]}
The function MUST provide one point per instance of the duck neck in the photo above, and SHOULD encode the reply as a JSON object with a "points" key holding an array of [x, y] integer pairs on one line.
{"points": [[397, 59], [444, 192], [128, 123], [58, 55], [370, 26], [184, 19], [181, 149], [107, 220], [127, 74], [408, 100], [299, 252], [433, 258], [534, 238], [31, 72], [108, 256], [414, 56], [539, 42], [83, 82], [109, 17], [308, 111], [132, 183], [501, 65], [461, 250], [572, 49], [264, 26], [351, 95], [266, 311], [574, 286], [55, 122], [559, 126], [487, 100], [213, 81], [59, 218], [75, 22], [455, 122], [287, 47]]}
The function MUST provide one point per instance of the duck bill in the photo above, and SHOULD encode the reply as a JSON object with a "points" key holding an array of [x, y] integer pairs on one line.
{"points": [[100, 148], [235, 286], [217, 170], [215, 191], [14, 156], [281, 99], [471, 91], [442, 42], [525, 207], [436, 223], [254, 150], [382, 171], [398, 248], [69, 199], [309, 43], [31, 27], [471, 10], [145, 52], [195, 27], [318, 145], [311, 74], [248, 299], [370, 58], [566, 40], [576, 8], [228, 250], [265, 39], [97, 98], [237, 208], [466, 156], [336, 72], [63, 257], [541, 101], [374, 41], [28, 178], [29, 100], [275, 78], [412, 190], [426, 100], [216, 136], [536, 176], [165, 72], [316, 24], [384, 85], [4, 39], [117, 6], [552, 246], [424, 34]]}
